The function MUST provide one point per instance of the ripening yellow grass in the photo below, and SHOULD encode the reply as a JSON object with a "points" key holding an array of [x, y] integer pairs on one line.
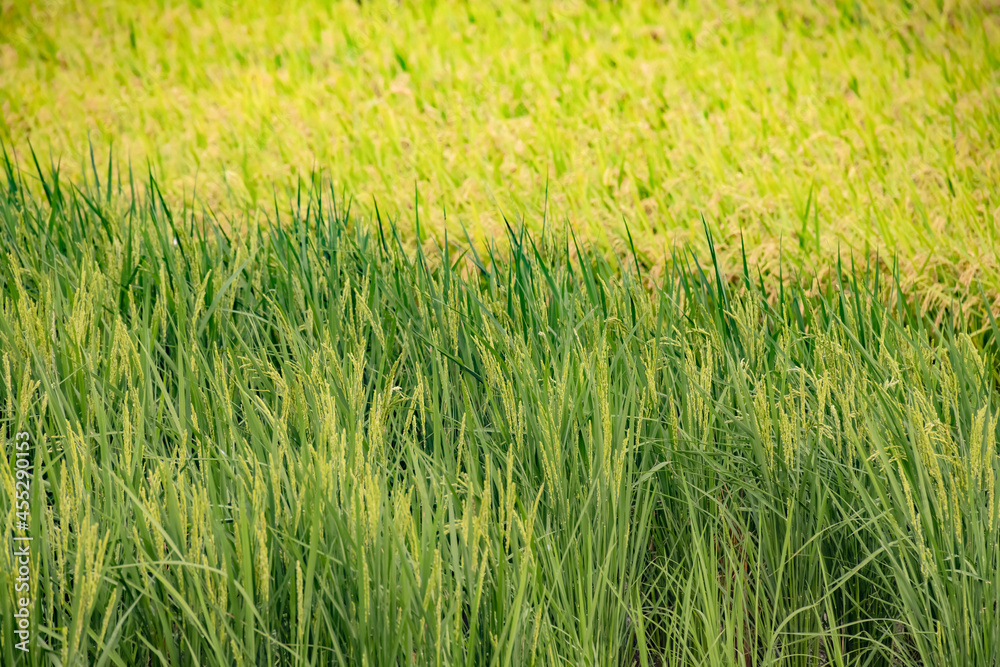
{"points": [[808, 126]]}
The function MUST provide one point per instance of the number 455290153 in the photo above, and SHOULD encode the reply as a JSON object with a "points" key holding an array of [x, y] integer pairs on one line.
{"points": [[22, 473]]}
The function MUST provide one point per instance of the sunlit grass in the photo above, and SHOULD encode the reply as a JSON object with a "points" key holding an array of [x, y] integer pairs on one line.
{"points": [[810, 127], [275, 426]]}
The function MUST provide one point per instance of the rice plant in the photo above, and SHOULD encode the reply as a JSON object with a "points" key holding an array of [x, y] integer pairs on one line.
{"points": [[806, 127], [291, 440]]}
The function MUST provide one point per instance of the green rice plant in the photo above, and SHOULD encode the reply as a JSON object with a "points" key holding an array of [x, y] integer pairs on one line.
{"points": [[303, 443]]}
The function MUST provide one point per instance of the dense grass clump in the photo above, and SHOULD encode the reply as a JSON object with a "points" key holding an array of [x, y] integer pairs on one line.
{"points": [[296, 443]]}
